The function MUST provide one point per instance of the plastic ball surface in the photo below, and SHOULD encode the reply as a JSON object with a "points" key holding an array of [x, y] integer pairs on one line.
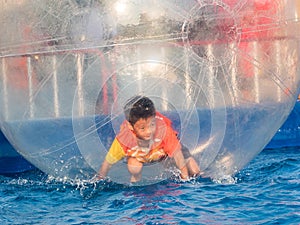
{"points": [[226, 72]]}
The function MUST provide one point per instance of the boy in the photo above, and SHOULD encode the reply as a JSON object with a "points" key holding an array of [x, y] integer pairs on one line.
{"points": [[147, 136]]}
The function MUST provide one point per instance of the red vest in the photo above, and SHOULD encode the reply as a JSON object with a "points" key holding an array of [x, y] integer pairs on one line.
{"points": [[164, 142]]}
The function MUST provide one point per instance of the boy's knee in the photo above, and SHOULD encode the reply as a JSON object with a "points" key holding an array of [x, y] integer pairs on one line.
{"points": [[134, 166]]}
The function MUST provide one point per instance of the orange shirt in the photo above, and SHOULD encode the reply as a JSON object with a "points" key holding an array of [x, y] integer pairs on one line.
{"points": [[163, 144]]}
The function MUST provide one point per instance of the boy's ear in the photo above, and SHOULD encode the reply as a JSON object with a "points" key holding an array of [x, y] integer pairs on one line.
{"points": [[129, 125]]}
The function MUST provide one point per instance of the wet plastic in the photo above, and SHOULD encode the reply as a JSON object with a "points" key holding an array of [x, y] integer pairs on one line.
{"points": [[226, 73]]}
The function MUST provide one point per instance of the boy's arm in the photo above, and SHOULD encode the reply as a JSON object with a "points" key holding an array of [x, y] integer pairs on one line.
{"points": [[114, 154], [105, 167], [181, 164]]}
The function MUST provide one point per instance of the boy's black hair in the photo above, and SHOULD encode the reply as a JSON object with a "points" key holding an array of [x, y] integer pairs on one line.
{"points": [[138, 107]]}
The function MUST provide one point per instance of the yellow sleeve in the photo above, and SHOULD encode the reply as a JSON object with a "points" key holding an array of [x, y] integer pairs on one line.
{"points": [[115, 152]]}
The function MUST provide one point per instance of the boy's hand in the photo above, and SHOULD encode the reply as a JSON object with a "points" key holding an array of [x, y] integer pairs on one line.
{"points": [[96, 178], [184, 174]]}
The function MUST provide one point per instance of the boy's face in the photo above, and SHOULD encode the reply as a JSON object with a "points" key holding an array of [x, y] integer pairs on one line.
{"points": [[144, 128]]}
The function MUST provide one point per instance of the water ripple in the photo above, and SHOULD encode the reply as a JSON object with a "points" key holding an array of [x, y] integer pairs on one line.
{"points": [[265, 192]]}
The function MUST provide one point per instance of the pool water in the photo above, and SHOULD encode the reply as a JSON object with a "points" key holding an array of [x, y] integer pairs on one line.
{"points": [[267, 191]]}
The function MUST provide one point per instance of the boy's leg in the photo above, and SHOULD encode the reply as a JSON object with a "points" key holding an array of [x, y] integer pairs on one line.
{"points": [[135, 168]]}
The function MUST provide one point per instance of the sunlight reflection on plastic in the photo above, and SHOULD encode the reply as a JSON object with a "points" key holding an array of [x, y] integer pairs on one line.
{"points": [[226, 72]]}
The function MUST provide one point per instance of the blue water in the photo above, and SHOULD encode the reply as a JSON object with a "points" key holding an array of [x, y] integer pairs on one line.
{"points": [[267, 191]]}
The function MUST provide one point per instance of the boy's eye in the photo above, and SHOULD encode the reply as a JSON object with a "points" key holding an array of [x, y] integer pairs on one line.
{"points": [[142, 128]]}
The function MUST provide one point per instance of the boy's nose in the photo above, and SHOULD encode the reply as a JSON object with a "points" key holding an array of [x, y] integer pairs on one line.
{"points": [[149, 130]]}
